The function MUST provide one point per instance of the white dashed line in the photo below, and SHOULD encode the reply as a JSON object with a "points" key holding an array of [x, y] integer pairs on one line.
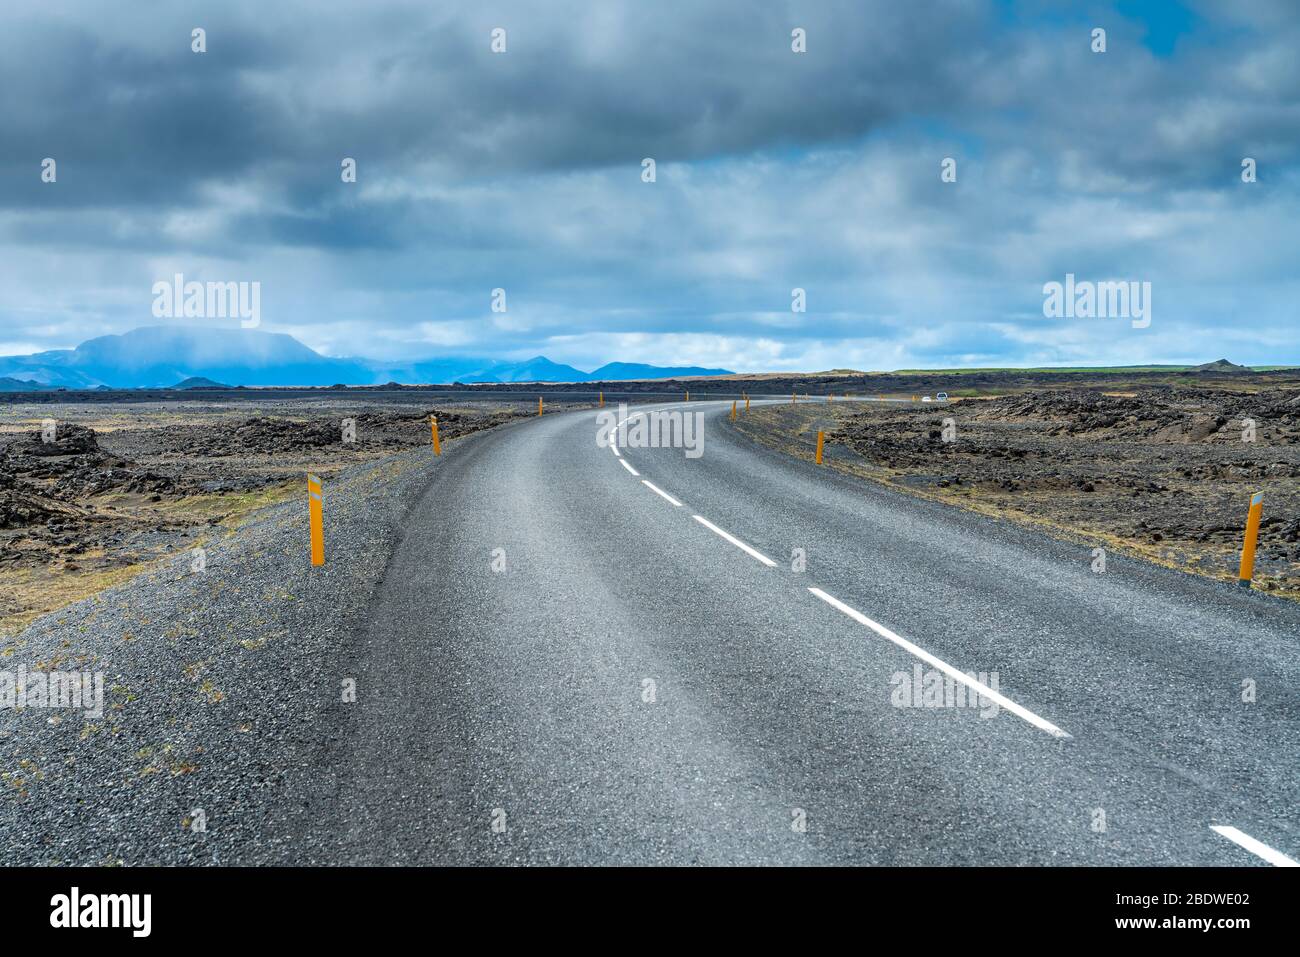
{"points": [[943, 666], [735, 541], [624, 463], [622, 427], [1258, 848], [660, 492]]}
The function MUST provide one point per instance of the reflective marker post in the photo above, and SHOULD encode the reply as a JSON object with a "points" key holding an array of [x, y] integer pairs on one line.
{"points": [[315, 520], [1247, 570]]}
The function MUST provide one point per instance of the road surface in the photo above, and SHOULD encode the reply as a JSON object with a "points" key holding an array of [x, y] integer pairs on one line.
{"points": [[650, 677]]}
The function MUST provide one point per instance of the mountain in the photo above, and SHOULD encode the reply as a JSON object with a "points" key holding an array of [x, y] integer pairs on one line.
{"points": [[616, 371], [45, 369], [156, 357], [183, 357], [536, 369], [1220, 365], [8, 384], [476, 369], [198, 382]]}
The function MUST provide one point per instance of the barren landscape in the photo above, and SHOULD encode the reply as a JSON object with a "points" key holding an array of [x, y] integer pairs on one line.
{"points": [[1162, 471], [1143, 462], [126, 482]]}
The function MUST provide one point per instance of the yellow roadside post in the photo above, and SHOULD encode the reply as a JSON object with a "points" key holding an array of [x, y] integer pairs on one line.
{"points": [[539, 405], [746, 403], [688, 396], [437, 446], [602, 400], [314, 520], [733, 410], [793, 398], [1247, 571], [821, 439]]}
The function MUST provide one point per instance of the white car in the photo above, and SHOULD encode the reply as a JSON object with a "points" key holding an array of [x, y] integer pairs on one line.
{"points": [[941, 396], [926, 399]]}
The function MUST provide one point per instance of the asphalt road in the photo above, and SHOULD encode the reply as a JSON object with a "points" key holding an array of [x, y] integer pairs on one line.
{"points": [[651, 678]]}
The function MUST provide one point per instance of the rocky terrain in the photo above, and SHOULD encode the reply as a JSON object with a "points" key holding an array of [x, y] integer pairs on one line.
{"points": [[110, 489], [1165, 472]]}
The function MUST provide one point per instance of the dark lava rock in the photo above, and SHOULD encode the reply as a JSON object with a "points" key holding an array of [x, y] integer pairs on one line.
{"points": [[69, 439], [21, 509]]}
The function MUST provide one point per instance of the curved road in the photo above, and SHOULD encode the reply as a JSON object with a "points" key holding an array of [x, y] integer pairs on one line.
{"points": [[651, 678]]}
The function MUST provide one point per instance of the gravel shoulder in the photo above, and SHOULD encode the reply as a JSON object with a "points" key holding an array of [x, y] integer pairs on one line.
{"points": [[221, 687]]}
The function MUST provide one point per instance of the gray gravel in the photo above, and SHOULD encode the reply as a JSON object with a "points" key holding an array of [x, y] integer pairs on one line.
{"points": [[222, 689]]}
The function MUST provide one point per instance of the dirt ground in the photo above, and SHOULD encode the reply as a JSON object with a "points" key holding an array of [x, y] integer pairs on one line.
{"points": [[123, 484], [1164, 472]]}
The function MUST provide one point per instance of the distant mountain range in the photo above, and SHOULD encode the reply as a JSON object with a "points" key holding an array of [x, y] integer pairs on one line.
{"points": [[163, 357], [8, 384]]}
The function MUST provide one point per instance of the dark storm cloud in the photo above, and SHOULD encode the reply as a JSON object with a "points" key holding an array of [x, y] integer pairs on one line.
{"points": [[522, 170], [582, 85]]}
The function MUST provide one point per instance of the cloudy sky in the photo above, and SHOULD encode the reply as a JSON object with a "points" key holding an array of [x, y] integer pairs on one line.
{"points": [[523, 170]]}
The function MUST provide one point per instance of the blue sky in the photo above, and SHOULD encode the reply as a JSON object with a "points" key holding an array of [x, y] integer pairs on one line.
{"points": [[775, 170]]}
